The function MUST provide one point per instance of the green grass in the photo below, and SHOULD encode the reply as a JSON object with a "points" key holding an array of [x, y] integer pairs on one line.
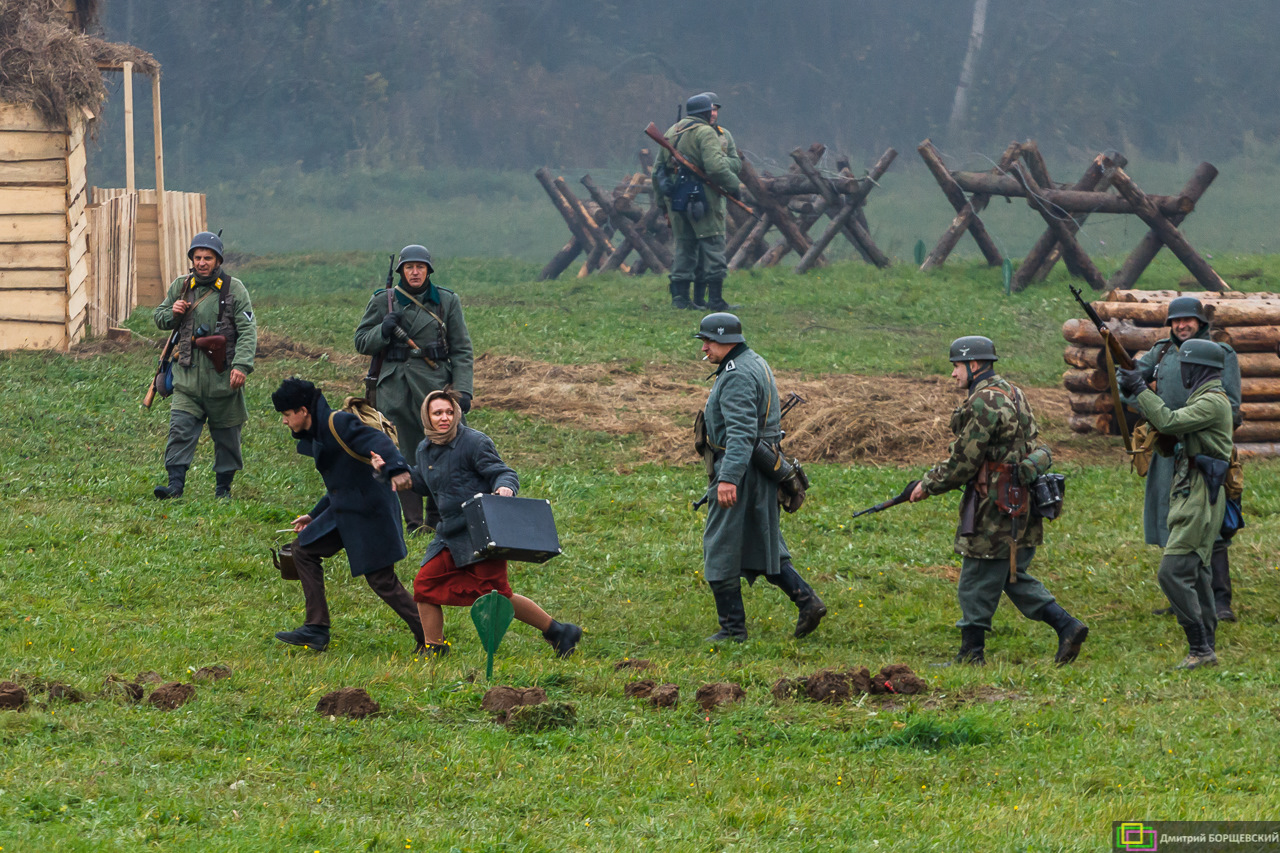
{"points": [[99, 578]]}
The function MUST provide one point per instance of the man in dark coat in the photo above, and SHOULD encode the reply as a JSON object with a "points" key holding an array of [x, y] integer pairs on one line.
{"points": [[359, 512]]}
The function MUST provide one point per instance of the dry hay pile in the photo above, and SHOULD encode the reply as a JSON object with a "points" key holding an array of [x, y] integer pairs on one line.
{"points": [[46, 64]]}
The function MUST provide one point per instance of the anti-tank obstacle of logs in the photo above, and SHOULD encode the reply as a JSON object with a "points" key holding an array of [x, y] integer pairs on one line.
{"points": [[1248, 322], [1104, 188]]}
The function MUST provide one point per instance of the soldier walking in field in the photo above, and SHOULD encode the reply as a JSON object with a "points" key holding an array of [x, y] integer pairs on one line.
{"points": [[996, 443], [697, 215], [213, 356], [1196, 503], [419, 328], [742, 538], [1186, 320]]}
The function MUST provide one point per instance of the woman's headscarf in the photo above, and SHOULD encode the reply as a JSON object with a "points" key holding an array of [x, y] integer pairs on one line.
{"points": [[433, 434]]}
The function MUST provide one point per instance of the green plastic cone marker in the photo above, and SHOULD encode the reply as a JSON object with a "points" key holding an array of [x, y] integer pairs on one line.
{"points": [[919, 252], [1007, 270], [492, 614]]}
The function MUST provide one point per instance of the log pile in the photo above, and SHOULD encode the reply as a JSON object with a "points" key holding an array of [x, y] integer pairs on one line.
{"points": [[1248, 322], [607, 227], [1022, 173]]}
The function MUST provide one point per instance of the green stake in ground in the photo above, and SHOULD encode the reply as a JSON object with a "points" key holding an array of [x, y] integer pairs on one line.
{"points": [[492, 614], [920, 250], [1006, 272]]}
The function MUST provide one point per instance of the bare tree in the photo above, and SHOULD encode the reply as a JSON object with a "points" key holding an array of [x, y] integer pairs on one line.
{"points": [[960, 105]]}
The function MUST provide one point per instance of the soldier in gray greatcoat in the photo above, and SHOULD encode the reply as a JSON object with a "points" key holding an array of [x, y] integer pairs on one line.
{"points": [[742, 538], [1187, 321], [426, 348]]}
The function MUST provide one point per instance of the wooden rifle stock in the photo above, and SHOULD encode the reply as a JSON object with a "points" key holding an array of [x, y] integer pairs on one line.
{"points": [[165, 356], [1117, 356], [656, 135]]}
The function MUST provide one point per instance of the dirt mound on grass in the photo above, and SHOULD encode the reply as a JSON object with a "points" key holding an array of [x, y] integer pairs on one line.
{"points": [[172, 695], [351, 702], [117, 688], [836, 687], [12, 696], [501, 699], [216, 672], [665, 696], [540, 718], [721, 693], [639, 689]]}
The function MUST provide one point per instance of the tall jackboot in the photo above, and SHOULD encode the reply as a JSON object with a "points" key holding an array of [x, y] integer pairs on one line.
{"points": [[177, 479], [1071, 632], [1220, 566], [680, 294], [973, 646], [715, 294], [730, 611], [1199, 651], [222, 483], [802, 595], [700, 295]]}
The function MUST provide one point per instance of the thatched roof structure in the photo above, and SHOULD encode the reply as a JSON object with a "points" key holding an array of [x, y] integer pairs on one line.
{"points": [[47, 64]]}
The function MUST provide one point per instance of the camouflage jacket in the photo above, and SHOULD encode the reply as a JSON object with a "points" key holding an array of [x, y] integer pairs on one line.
{"points": [[993, 424]]}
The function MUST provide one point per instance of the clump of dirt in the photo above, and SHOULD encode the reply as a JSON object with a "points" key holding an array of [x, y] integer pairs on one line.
{"points": [[12, 696], [787, 688], [899, 678], [148, 677], [828, 686], [118, 688], [211, 673], [665, 696], [65, 692], [501, 699], [860, 680], [838, 686], [639, 689], [539, 718], [351, 702], [720, 693], [630, 663], [171, 695]]}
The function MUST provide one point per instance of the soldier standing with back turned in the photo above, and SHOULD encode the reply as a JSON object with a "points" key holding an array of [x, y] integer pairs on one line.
{"points": [[994, 429], [699, 230]]}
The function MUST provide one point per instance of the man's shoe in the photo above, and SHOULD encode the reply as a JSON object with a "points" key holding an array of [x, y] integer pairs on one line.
{"points": [[1071, 632], [811, 612], [177, 479], [680, 295], [1195, 661], [431, 650], [973, 646], [563, 637], [222, 485], [314, 637], [1226, 614], [1162, 611]]}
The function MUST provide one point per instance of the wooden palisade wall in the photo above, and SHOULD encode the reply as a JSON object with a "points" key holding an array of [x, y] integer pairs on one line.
{"points": [[185, 216]]}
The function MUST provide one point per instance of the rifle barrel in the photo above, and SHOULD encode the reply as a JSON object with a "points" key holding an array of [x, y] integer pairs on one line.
{"points": [[656, 135]]}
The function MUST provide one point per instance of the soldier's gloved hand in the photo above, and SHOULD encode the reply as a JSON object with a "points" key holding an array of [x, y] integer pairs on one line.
{"points": [[389, 324], [464, 402], [1130, 381]]}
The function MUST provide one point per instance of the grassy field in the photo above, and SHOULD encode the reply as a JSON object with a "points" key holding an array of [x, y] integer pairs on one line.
{"points": [[99, 578]]}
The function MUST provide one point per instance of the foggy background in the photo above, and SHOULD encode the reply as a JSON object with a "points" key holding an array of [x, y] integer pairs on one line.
{"points": [[346, 123]]}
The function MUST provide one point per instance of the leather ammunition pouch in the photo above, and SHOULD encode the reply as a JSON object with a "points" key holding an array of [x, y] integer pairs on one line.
{"points": [[282, 557], [1214, 471], [1000, 479]]}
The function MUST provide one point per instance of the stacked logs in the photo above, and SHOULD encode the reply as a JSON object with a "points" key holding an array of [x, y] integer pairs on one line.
{"points": [[1248, 322]]}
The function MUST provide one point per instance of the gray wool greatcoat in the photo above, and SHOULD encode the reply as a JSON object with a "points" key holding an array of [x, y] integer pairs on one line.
{"points": [[1168, 378], [362, 508], [742, 407], [452, 474]]}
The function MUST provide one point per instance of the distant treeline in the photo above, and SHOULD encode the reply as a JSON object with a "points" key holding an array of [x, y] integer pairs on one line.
{"points": [[519, 83]]}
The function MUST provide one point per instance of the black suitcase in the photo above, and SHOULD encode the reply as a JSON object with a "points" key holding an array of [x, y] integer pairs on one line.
{"points": [[503, 528]]}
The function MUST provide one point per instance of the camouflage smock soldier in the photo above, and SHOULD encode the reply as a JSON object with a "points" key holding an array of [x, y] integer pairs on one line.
{"points": [[699, 230], [217, 340], [994, 426], [1187, 321], [429, 317], [742, 538], [1196, 503]]}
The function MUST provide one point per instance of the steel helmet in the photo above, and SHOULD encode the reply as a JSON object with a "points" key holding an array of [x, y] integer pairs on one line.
{"points": [[206, 240], [703, 102], [721, 328], [1185, 306], [973, 348], [417, 253], [1200, 351]]}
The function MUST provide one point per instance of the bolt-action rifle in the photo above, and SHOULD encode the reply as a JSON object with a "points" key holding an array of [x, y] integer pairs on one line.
{"points": [[1115, 355], [656, 135], [902, 497], [166, 356]]}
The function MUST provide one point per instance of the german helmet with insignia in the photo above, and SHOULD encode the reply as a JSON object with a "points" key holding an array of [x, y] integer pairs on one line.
{"points": [[973, 348], [721, 328]]}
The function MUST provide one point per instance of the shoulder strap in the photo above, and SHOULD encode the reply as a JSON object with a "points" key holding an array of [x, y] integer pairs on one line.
{"points": [[433, 314], [365, 459]]}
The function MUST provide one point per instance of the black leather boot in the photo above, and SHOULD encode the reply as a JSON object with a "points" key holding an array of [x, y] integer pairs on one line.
{"points": [[1220, 568], [563, 637], [715, 297], [700, 295], [1199, 651], [177, 479], [802, 595], [680, 295], [222, 484], [729, 610], [1071, 632], [972, 646]]}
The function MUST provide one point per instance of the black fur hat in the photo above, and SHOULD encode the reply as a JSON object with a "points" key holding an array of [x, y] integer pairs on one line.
{"points": [[293, 393]]}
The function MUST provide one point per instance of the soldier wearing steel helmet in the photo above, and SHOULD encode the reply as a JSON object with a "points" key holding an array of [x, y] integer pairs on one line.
{"points": [[427, 348], [1187, 321], [994, 426], [1203, 426], [742, 538], [699, 230], [213, 356]]}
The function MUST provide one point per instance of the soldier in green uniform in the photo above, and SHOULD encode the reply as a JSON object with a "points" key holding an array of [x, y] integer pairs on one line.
{"points": [[1186, 320], [1196, 503], [426, 348], [698, 221], [213, 356], [995, 435], [742, 538]]}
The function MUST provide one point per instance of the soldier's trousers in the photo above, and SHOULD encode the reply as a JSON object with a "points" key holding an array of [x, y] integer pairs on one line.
{"points": [[308, 559], [696, 259], [982, 581], [1188, 585], [184, 434]]}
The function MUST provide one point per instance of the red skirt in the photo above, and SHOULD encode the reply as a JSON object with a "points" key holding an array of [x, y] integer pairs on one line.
{"points": [[440, 581]]}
